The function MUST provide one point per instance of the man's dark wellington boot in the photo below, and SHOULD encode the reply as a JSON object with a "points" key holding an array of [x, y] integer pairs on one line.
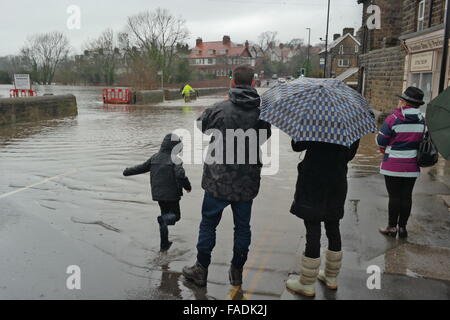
{"points": [[197, 274], [235, 276]]}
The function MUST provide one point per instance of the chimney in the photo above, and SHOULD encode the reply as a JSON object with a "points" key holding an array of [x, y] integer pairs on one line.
{"points": [[247, 44], [226, 40], [349, 30], [281, 46], [336, 36], [198, 42]]}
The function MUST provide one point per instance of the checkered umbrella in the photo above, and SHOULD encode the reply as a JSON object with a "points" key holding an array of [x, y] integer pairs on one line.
{"points": [[322, 110]]}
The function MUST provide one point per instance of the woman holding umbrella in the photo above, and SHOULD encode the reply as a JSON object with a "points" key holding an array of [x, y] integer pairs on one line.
{"points": [[326, 119]]}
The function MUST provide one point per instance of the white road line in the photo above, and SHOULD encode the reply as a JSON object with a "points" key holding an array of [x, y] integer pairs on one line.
{"points": [[37, 184]]}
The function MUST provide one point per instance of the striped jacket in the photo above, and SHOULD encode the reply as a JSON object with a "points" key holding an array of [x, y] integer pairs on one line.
{"points": [[400, 135]]}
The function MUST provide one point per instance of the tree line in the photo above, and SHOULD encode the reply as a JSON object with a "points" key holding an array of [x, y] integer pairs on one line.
{"points": [[152, 45]]}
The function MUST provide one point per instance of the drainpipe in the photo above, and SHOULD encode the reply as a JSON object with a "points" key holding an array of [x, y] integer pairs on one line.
{"points": [[443, 78], [430, 18]]}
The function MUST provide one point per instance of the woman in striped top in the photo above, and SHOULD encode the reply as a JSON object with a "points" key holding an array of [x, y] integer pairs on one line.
{"points": [[399, 140]]}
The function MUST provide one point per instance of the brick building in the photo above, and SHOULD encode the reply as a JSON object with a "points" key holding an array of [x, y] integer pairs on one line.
{"points": [[343, 57], [219, 58], [407, 50]]}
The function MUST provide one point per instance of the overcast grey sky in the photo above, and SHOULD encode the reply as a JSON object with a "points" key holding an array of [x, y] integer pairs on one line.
{"points": [[209, 19]]}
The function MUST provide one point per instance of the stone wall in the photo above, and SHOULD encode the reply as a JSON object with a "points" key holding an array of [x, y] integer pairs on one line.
{"points": [[29, 109], [384, 69], [149, 96], [410, 14], [391, 24]]}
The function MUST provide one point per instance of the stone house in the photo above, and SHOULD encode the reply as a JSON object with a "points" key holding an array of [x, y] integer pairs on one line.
{"points": [[404, 51], [343, 57], [423, 37]]}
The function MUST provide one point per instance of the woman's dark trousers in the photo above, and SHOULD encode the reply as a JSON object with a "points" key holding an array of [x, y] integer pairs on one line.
{"points": [[170, 214], [313, 234], [400, 191]]}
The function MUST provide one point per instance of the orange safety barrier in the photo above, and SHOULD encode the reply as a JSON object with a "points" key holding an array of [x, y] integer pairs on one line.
{"points": [[16, 93], [116, 96]]}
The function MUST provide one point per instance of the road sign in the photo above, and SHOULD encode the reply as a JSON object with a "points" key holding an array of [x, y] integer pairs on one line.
{"points": [[22, 81], [322, 62]]}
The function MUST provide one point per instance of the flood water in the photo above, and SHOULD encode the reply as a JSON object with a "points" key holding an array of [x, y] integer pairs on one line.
{"points": [[68, 173]]}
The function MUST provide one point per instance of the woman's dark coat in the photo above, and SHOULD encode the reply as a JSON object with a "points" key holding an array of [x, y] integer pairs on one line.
{"points": [[167, 179], [321, 188]]}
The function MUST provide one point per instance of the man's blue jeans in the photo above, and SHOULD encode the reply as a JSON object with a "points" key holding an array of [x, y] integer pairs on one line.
{"points": [[212, 210]]}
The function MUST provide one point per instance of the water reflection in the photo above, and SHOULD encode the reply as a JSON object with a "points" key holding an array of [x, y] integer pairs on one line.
{"points": [[367, 160]]}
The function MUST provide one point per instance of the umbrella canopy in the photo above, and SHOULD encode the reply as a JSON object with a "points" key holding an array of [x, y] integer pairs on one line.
{"points": [[438, 121], [321, 110]]}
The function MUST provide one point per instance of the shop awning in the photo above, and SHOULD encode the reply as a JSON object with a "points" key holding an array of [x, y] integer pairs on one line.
{"points": [[347, 74]]}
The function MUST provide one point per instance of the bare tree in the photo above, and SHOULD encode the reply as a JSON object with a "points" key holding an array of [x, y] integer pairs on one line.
{"points": [[156, 34], [44, 52], [104, 56], [267, 41]]}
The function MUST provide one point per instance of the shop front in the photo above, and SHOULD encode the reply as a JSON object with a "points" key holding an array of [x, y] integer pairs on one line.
{"points": [[423, 61]]}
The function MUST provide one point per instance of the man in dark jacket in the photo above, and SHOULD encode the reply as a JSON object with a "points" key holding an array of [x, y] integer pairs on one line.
{"points": [[233, 178], [167, 180]]}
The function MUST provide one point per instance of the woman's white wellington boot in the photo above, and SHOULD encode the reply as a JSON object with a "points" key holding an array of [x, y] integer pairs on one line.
{"points": [[333, 265], [306, 283]]}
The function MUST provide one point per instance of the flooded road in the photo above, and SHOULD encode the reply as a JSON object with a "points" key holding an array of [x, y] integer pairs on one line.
{"points": [[64, 201]]}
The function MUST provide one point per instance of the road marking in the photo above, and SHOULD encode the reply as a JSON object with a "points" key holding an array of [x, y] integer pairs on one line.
{"points": [[252, 261], [37, 184], [260, 270]]}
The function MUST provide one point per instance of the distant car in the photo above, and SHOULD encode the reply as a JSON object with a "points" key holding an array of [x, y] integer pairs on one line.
{"points": [[289, 78], [275, 77], [282, 80]]}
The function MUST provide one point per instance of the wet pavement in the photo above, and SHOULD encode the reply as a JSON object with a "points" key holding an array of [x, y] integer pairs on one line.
{"points": [[64, 201]]}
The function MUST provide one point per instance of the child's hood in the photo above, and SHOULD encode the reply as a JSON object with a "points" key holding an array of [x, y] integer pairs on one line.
{"points": [[170, 141]]}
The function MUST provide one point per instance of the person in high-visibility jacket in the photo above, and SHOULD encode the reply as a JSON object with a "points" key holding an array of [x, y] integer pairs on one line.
{"points": [[186, 93]]}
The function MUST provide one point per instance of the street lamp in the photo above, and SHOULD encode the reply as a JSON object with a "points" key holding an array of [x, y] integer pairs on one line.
{"points": [[309, 45], [326, 41]]}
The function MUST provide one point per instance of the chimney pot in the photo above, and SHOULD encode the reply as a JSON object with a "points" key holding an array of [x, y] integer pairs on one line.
{"points": [[349, 30], [226, 40], [336, 36]]}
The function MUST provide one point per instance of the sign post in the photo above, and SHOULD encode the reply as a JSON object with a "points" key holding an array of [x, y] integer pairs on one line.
{"points": [[22, 82], [161, 73]]}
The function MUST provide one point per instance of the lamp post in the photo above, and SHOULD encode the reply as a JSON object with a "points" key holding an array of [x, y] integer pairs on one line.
{"points": [[326, 41], [309, 45], [443, 77]]}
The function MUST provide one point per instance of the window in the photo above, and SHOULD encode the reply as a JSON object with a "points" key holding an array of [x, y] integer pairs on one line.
{"points": [[424, 82], [421, 16], [211, 51], [341, 49], [356, 49], [343, 63]]}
